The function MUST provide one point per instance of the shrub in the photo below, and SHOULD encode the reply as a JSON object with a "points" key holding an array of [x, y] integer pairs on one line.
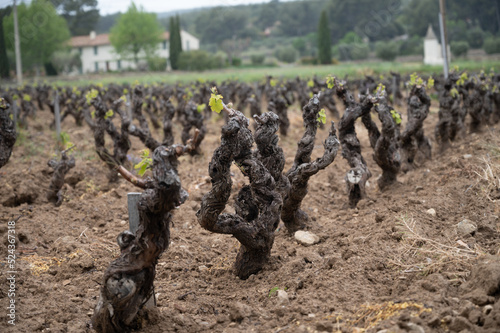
{"points": [[309, 61], [157, 64], [257, 59], [492, 45], [459, 48], [475, 37], [198, 60], [236, 61], [387, 51], [355, 51], [411, 46], [286, 54]]}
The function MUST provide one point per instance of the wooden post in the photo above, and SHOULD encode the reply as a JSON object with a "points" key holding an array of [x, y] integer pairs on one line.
{"points": [[133, 223], [57, 114]]}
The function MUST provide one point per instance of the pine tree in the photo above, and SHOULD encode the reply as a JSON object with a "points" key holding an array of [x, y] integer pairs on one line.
{"points": [[324, 40]]}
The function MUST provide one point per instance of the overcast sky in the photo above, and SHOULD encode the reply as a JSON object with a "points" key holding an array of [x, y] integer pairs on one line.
{"points": [[109, 7]]}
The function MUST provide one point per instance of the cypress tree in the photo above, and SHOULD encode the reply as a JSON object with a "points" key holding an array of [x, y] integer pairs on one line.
{"points": [[178, 32], [324, 40], [175, 42]]}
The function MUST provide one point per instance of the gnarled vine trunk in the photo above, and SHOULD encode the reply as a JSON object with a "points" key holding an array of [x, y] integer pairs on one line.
{"points": [[257, 205], [128, 281], [7, 133], [413, 138], [303, 168]]}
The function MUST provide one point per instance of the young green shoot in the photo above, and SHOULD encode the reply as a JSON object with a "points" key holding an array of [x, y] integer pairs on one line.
{"points": [[145, 163]]}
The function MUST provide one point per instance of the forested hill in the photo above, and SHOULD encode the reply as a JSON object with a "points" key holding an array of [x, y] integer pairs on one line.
{"points": [[375, 20]]}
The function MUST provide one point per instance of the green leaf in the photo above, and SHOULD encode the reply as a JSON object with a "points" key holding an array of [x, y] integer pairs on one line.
{"points": [[321, 117], [454, 92], [273, 82], [330, 81], [215, 102], [273, 291], [396, 116], [310, 83], [380, 89], [91, 95], [430, 83], [144, 164], [92, 114], [201, 107], [108, 114]]}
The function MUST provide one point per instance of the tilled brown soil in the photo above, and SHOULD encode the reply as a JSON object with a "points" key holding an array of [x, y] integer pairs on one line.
{"points": [[392, 263]]}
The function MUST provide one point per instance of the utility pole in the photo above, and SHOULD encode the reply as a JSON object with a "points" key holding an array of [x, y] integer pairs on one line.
{"points": [[19, 67], [444, 39]]}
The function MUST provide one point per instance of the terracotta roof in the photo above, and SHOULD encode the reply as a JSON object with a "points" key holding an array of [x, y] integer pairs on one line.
{"points": [[102, 39]]}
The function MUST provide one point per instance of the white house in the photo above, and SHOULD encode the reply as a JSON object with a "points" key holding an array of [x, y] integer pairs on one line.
{"points": [[433, 52], [98, 55]]}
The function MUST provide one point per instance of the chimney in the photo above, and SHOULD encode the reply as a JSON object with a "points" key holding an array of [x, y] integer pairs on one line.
{"points": [[92, 35]]}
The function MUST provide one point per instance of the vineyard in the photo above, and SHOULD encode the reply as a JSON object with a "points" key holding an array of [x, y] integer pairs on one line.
{"points": [[286, 205]]}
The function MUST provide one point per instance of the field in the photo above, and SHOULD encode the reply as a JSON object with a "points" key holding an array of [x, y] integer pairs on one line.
{"points": [[401, 260], [352, 70]]}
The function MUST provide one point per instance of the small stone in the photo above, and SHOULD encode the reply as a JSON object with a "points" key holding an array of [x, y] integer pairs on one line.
{"points": [[466, 227], [431, 212], [282, 297], [467, 156], [459, 324], [202, 268], [123, 222], [419, 188], [306, 238], [66, 282], [487, 309], [239, 311]]}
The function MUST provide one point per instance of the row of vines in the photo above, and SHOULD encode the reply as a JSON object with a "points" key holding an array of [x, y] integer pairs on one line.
{"points": [[116, 112]]}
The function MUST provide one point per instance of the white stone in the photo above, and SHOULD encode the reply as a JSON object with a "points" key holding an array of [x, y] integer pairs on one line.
{"points": [[306, 238], [431, 212], [282, 297], [466, 227]]}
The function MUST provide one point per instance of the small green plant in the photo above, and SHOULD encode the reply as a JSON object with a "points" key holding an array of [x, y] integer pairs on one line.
{"points": [[109, 114], [310, 83], [65, 140], [274, 290], [380, 89], [330, 81], [215, 102], [396, 116], [92, 94], [321, 117], [26, 98], [430, 83], [145, 163], [201, 107], [463, 78]]}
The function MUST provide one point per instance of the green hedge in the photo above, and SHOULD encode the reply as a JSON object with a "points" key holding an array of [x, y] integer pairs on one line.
{"points": [[459, 48], [199, 60], [492, 45]]}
